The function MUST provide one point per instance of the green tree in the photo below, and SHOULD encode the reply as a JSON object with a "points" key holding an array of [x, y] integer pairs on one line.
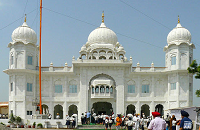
{"points": [[195, 69]]}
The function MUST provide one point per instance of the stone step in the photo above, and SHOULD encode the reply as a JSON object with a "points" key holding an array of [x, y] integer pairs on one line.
{"points": [[93, 127]]}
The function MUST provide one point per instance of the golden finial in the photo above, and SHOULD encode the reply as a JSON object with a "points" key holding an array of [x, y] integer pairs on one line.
{"points": [[178, 19], [103, 17], [25, 18]]}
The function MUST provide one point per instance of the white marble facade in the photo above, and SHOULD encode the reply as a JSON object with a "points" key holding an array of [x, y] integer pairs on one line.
{"points": [[102, 74]]}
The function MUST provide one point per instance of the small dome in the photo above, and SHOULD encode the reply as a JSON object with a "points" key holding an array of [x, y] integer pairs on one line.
{"points": [[102, 35], [179, 34], [121, 48], [83, 48], [25, 34]]}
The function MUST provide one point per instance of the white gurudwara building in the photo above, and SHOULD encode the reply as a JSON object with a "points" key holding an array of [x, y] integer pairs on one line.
{"points": [[102, 79]]}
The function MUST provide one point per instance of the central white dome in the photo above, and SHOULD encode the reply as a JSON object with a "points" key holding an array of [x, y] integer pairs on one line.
{"points": [[102, 35]]}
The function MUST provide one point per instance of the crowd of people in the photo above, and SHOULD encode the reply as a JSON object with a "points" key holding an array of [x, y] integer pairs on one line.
{"points": [[136, 122]]}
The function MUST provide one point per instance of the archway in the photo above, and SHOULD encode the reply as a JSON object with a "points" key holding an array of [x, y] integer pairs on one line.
{"points": [[58, 109], [145, 110], [72, 110], [45, 109], [130, 109], [102, 107], [159, 108]]}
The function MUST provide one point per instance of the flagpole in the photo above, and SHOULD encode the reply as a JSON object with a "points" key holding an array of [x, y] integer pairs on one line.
{"points": [[40, 56]]}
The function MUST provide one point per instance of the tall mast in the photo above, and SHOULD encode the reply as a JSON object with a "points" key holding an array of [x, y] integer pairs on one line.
{"points": [[40, 56]]}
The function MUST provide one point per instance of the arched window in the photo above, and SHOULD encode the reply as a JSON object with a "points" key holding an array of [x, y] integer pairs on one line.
{"points": [[73, 89], [131, 88], [102, 57], [110, 57], [97, 89], [111, 89], [107, 89], [121, 56], [92, 90], [102, 89], [83, 56], [73, 86]]}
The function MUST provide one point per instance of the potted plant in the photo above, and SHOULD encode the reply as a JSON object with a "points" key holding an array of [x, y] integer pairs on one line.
{"points": [[22, 126], [34, 124], [39, 125], [11, 120], [18, 120]]}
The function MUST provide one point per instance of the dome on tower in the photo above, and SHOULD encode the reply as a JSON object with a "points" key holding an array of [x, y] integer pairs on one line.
{"points": [[178, 35], [24, 34]]}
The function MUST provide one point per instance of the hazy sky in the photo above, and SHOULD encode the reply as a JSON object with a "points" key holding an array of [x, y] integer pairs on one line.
{"points": [[142, 27]]}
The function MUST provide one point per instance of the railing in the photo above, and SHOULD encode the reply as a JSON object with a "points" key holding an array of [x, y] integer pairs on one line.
{"points": [[102, 95]]}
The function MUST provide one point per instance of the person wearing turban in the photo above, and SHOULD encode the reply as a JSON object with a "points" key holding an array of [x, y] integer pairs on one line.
{"points": [[186, 123], [157, 123], [118, 121]]}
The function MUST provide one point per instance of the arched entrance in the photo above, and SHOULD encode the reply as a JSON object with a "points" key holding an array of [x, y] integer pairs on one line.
{"points": [[45, 109], [102, 107], [159, 108], [58, 109], [130, 109], [72, 110], [145, 110]]}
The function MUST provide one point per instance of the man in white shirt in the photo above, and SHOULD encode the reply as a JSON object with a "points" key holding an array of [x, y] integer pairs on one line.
{"points": [[157, 123]]}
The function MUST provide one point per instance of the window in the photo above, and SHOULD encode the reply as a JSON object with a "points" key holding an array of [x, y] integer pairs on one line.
{"points": [[58, 88], [11, 86], [145, 88], [173, 86], [102, 89], [30, 60], [73, 89], [111, 89], [173, 60], [107, 89], [131, 89], [190, 60], [97, 89], [29, 87], [29, 112], [11, 60], [11, 111], [92, 90]]}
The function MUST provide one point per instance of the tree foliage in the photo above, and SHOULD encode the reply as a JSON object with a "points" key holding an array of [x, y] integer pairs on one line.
{"points": [[195, 69]]}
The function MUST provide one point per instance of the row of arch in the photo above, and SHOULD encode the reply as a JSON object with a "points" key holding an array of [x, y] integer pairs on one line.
{"points": [[102, 89], [102, 54], [130, 109], [59, 109], [144, 109]]}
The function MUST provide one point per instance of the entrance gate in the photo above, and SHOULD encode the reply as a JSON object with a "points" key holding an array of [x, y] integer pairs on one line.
{"points": [[102, 107]]}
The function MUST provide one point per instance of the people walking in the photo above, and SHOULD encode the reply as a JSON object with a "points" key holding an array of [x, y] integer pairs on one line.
{"points": [[82, 119], [118, 122], [110, 122], [142, 122], [186, 123], [157, 123], [130, 124], [106, 122], [88, 117], [67, 121], [174, 124], [170, 122]]}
